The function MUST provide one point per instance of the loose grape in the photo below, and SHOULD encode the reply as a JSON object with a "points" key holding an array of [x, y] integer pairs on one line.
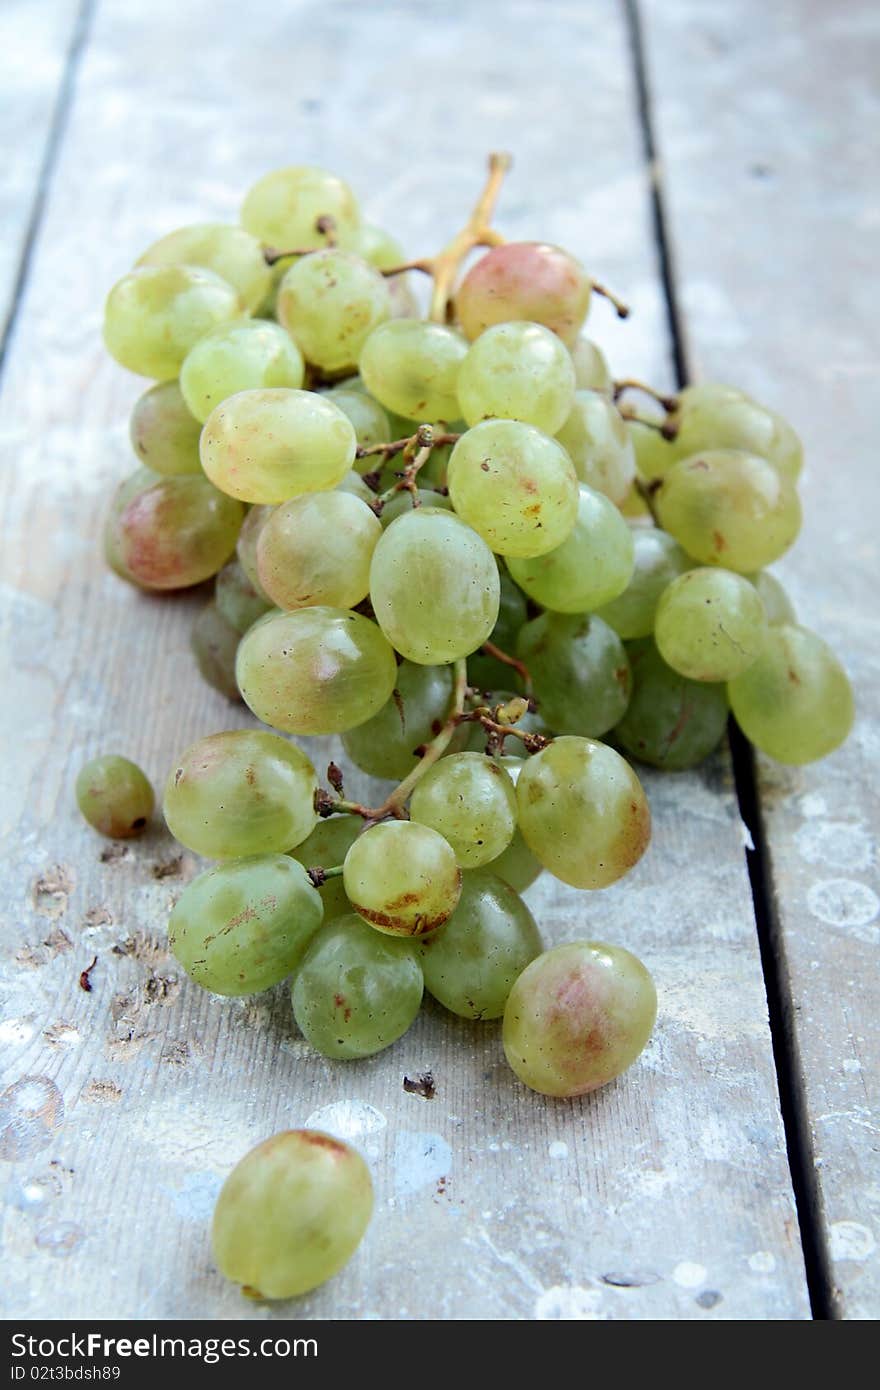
{"points": [[593, 565], [411, 367], [164, 434], [670, 722], [330, 302], [591, 372], [384, 746], [283, 209], [524, 280], [580, 672], [729, 508], [368, 419], [471, 963], [154, 315], [710, 416], [241, 793], [114, 796], [357, 991], [710, 624], [326, 848], [172, 532], [316, 671], [582, 812], [237, 599], [658, 559], [214, 642], [577, 1017], [270, 445], [402, 878], [777, 605], [434, 586], [517, 371], [515, 486], [291, 1214], [317, 549], [243, 926], [245, 356], [795, 702], [469, 800], [598, 443], [232, 253]]}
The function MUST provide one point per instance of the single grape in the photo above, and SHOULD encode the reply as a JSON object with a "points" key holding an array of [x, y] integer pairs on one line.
{"points": [[671, 722], [171, 532], [591, 371], [316, 549], [729, 508], [524, 280], [580, 672], [402, 878], [316, 671], [330, 302], [114, 796], [385, 745], [246, 547], [654, 454], [357, 991], [434, 586], [582, 812], [577, 1017], [237, 599], [402, 503], [710, 624], [270, 445], [368, 419], [241, 793], [232, 253], [326, 848], [658, 559], [598, 443], [214, 642], [283, 209], [411, 367], [164, 434], [517, 371], [593, 565], [246, 356], [154, 315], [795, 703], [244, 925], [516, 865], [714, 417], [515, 486], [291, 1214], [777, 605], [469, 800]]}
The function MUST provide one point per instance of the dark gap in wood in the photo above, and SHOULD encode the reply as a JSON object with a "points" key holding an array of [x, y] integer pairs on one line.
{"points": [[792, 1101], [47, 168]]}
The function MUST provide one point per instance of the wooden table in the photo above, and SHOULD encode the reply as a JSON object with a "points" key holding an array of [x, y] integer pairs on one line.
{"points": [[716, 163]]}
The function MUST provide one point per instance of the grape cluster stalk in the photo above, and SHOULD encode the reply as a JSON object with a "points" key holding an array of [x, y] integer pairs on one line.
{"points": [[456, 543]]}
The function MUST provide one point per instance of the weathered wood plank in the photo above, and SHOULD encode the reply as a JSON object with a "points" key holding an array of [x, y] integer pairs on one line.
{"points": [[768, 124], [665, 1195]]}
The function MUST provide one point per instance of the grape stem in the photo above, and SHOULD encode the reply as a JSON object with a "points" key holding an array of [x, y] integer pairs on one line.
{"points": [[669, 403], [397, 446], [319, 876], [498, 731], [520, 667], [477, 232], [422, 264], [668, 427], [648, 494], [623, 310]]}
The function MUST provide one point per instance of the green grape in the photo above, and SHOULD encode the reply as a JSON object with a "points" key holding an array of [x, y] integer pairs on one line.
{"points": [[317, 549], [671, 722], [515, 486], [718, 417], [284, 207], [516, 865], [368, 419], [316, 671], [597, 441], [517, 371], [232, 253], [330, 302], [580, 672], [357, 991], [354, 484], [291, 1214], [114, 796], [402, 503], [434, 586], [214, 642], [411, 367], [577, 1017], [379, 247], [512, 613], [154, 315], [658, 560], [582, 812], [164, 435], [244, 925], [729, 508], [469, 800], [270, 445], [795, 702], [237, 599], [246, 548], [241, 793], [591, 567], [384, 746], [246, 356], [591, 371], [132, 486], [326, 848], [171, 532], [710, 624], [654, 454], [471, 963], [777, 605], [402, 878], [524, 280]]}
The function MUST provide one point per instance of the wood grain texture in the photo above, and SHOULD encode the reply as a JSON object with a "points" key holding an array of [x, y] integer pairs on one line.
{"points": [[769, 122], [667, 1194]]}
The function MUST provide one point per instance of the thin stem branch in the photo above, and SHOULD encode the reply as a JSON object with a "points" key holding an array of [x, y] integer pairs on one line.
{"points": [[668, 427], [520, 667], [424, 264], [623, 310], [397, 446], [319, 876], [436, 748], [476, 232], [669, 403]]}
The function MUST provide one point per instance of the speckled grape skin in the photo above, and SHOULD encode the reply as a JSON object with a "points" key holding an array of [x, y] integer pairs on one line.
{"points": [[231, 252], [154, 315], [248, 356], [577, 1017], [411, 367], [469, 800], [317, 549], [114, 796], [593, 565], [517, 371], [283, 207], [710, 624], [524, 280], [330, 302], [402, 878]]}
